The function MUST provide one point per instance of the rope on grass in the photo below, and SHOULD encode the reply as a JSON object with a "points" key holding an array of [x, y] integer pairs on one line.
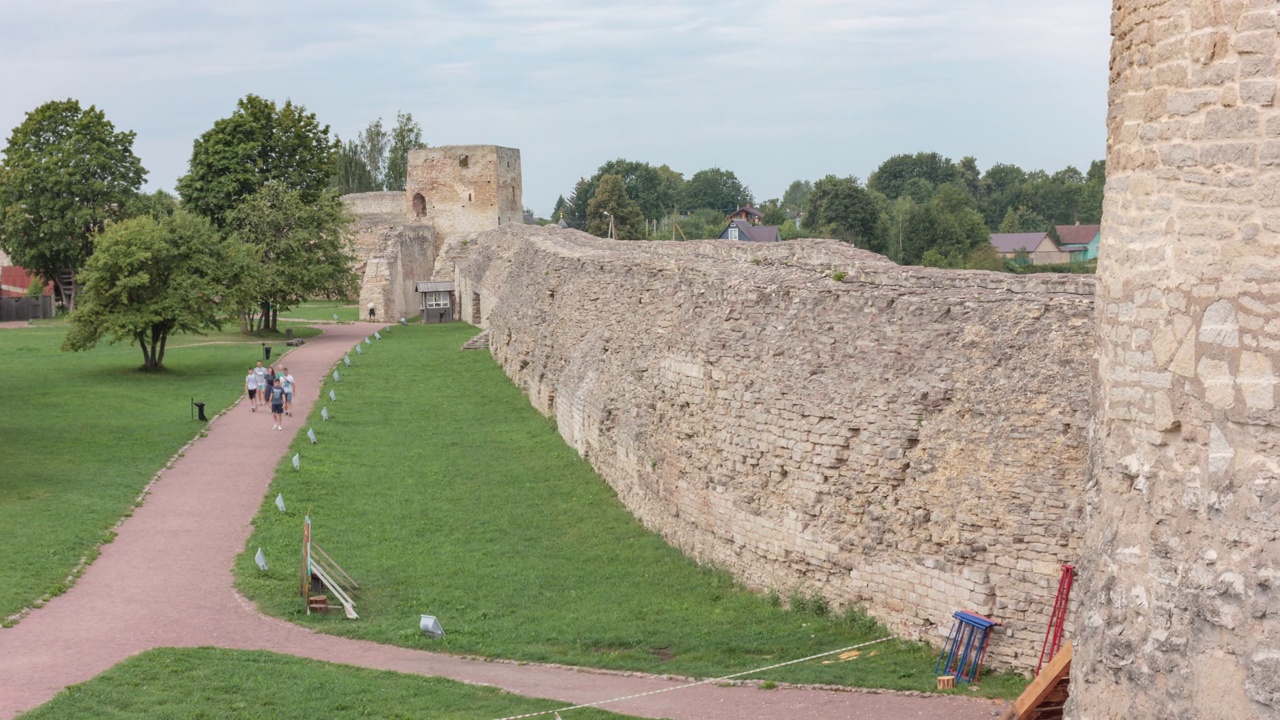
{"points": [[557, 711]]}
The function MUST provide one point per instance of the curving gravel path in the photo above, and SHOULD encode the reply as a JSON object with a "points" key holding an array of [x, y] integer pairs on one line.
{"points": [[166, 581]]}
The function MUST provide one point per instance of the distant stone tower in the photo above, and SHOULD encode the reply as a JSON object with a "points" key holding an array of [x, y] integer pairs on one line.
{"points": [[1180, 579], [450, 191], [461, 189]]}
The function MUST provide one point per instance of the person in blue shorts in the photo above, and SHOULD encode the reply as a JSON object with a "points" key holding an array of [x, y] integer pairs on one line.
{"points": [[277, 405]]}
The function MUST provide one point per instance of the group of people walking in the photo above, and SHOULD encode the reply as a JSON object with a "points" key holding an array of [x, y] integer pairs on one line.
{"points": [[266, 385]]}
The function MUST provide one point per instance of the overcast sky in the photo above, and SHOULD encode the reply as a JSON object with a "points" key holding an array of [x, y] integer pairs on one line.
{"points": [[774, 90]]}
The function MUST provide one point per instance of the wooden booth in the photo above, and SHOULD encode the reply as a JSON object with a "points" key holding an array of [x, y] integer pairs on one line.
{"points": [[436, 301]]}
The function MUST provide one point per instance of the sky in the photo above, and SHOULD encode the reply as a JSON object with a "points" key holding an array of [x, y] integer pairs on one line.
{"points": [[774, 90]]}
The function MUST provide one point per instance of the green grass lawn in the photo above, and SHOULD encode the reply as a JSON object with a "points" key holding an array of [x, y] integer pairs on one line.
{"points": [[206, 683], [323, 310], [82, 433], [439, 488]]}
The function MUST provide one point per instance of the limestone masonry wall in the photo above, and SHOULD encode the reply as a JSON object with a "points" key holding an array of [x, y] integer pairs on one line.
{"points": [[391, 253], [1183, 543], [907, 438]]}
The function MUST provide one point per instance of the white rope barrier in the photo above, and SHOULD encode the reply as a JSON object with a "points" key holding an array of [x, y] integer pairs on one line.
{"points": [[557, 711]]}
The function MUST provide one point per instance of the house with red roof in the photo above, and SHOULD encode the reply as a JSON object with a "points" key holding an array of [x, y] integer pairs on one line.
{"points": [[1039, 247], [1080, 242], [748, 214]]}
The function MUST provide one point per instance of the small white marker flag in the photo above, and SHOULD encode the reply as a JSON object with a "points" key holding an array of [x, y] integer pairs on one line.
{"points": [[376, 335], [280, 501], [324, 413], [335, 317], [335, 376], [347, 359], [403, 321], [367, 341], [261, 559], [333, 397], [359, 350], [311, 435], [297, 461]]}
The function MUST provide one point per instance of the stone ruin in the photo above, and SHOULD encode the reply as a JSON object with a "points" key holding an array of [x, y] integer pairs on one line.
{"points": [[450, 192], [922, 441]]}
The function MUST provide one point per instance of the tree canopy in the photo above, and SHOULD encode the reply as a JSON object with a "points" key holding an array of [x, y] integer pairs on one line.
{"points": [[66, 172], [893, 174], [716, 189], [841, 208], [259, 143], [151, 277], [611, 200], [302, 249]]}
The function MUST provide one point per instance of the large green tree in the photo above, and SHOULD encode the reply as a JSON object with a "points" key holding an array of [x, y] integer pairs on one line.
{"points": [[716, 189], [351, 173], [841, 208], [893, 174], [611, 201], [66, 172], [654, 189], [796, 195], [151, 277], [303, 250], [405, 136], [259, 143]]}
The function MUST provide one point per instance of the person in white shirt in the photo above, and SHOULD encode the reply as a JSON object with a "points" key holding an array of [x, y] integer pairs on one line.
{"points": [[287, 383], [251, 386], [261, 372]]}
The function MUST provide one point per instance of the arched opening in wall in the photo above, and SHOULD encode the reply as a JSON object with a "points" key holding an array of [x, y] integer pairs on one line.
{"points": [[419, 205]]}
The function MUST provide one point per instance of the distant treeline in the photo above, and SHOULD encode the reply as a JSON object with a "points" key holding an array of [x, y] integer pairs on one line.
{"points": [[915, 209]]}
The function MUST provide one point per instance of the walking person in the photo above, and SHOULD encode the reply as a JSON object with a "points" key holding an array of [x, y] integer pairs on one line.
{"points": [[277, 406], [287, 381], [251, 386], [371, 310], [261, 373]]}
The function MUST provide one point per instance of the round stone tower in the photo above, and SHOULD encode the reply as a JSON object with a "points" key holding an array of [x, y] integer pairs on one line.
{"points": [[1180, 615]]}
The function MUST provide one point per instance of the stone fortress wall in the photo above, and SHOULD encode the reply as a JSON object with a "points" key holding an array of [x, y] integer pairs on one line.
{"points": [[1180, 588], [910, 439]]}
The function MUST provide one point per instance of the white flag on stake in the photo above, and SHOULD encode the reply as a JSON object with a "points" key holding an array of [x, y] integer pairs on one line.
{"points": [[347, 359], [333, 397], [335, 376], [359, 350], [367, 341], [297, 461], [280, 501], [261, 559], [324, 413], [311, 435], [376, 335]]}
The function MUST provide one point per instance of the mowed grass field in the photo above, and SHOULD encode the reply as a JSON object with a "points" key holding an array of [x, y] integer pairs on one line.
{"points": [[443, 492], [82, 433], [323, 311], [207, 683]]}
